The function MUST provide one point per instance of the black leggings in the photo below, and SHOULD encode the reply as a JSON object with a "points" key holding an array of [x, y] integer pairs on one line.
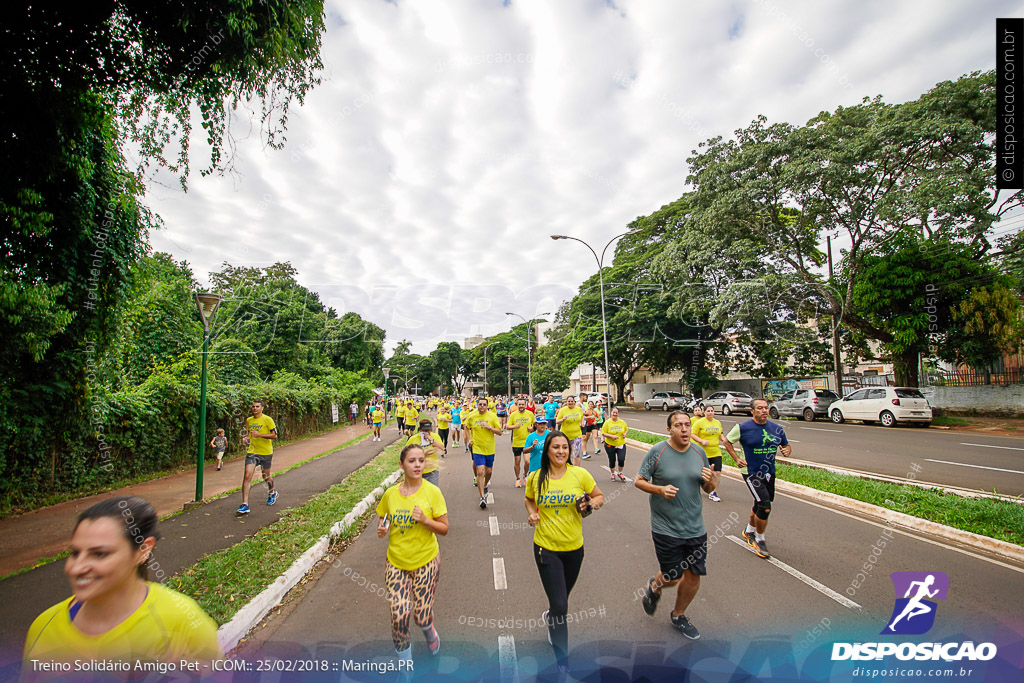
{"points": [[558, 573], [443, 433], [616, 455]]}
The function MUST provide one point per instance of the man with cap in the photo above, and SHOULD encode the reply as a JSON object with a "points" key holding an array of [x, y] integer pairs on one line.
{"points": [[429, 440]]}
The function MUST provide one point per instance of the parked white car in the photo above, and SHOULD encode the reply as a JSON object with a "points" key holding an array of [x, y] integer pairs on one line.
{"points": [[888, 405]]}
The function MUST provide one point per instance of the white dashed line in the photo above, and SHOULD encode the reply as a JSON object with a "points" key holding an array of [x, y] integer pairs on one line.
{"points": [[980, 467], [984, 445], [507, 662], [500, 582], [819, 429], [490, 498], [818, 586], [494, 525]]}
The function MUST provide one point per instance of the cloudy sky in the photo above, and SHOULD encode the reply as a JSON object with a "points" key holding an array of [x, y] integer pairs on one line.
{"points": [[422, 180]]}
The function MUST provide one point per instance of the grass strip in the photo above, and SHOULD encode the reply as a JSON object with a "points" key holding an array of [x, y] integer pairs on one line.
{"points": [[985, 516], [950, 421], [224, 581]]}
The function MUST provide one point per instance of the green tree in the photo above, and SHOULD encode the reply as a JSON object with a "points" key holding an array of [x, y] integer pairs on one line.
{"points": [[453, 365], [986, 325]]}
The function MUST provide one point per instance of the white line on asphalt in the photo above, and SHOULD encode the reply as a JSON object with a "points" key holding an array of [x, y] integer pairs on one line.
{"points": [[508, 665], [916, 537], [819, 429], [980, 467], [494, 525], [500, 582], [490, 497], [985, 445], [608, 470], [818, 586]]}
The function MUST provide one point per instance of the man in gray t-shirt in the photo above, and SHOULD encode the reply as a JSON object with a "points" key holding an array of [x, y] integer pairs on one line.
{"points": [[674, 472]]}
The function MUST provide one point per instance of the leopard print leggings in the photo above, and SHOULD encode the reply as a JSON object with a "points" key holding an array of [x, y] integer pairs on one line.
{"points": [[411, 593]]}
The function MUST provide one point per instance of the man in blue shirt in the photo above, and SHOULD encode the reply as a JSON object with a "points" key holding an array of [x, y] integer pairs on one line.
{"points": [[760, 440], [550, 411]]}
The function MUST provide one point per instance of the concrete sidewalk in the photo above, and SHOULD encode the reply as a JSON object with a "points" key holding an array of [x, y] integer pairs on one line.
{"points": [[45, 532]]}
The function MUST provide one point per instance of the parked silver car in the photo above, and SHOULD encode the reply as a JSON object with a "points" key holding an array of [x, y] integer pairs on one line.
{"points": [[805, 403], [665, 400], [729, 402]]}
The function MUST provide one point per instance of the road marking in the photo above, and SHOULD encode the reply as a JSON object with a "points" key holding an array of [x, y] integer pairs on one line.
{"points": [[608, 470], [972, 554], [494, 525], [819, 429], [818, 586], [490, 497], [980, 467], [983, 445], [500, 582], [508, 665]]}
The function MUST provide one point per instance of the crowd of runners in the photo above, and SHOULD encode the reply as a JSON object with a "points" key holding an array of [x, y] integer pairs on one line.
{"points": [[548, 439]]}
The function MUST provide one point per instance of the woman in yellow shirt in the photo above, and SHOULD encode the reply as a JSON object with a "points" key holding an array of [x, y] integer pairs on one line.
{"points": [[115, 614], [444, 418], [613, 432], [558, 496], [412, 513]]}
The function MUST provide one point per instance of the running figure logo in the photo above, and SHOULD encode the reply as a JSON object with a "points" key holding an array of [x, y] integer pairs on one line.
{"points": [[914, 613]]}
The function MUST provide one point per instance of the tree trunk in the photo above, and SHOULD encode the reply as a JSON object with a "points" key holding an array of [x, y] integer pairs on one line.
{"points": [[905, 368]]}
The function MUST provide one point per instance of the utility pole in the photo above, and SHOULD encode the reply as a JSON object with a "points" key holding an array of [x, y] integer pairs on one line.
{"points": [[836, 353]]}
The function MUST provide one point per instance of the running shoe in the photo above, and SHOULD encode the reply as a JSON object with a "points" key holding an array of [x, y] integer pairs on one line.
{"points": [[748, 537], [615, 477], [483, 503], [650, 601], [683, 625], [622, 477], [519, 483], [474, 481], [243, 509], [762, 549], [433, 644], [714, 496], [487, 489], [586, 456], [272, 498], [547, 629]]}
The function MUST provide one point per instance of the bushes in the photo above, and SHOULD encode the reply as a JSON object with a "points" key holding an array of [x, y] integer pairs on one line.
{"points": [[152, 427]]}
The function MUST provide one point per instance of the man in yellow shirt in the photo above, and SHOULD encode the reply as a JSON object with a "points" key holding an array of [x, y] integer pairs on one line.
{"points": [[262, 431], [412, 417], [707, 431], [520, 423], [480, 428]]}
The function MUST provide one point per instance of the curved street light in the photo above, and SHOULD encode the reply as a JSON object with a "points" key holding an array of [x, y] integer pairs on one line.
{"points": [[529, 362], [604, 323]]}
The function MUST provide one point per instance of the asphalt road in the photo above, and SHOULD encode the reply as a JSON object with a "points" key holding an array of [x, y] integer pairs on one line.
{"points": [[757, 618], [965, 460]]}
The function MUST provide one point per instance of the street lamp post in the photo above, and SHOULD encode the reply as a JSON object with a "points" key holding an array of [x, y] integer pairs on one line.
{"points": [[207, 304], [387, 371], [485, 365], [529, 361], [604, 323]]}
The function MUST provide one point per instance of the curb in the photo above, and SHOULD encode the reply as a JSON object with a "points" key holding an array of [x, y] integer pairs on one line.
{"points": [[1001, 549], [245, 619]]}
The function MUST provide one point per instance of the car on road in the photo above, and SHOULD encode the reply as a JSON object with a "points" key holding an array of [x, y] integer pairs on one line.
{"points": [[729, 402], [805, 403], [665, 400], [888, 405]]}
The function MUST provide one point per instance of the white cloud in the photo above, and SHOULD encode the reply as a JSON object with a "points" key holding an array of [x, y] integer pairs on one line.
{"points": [[451, 138]]}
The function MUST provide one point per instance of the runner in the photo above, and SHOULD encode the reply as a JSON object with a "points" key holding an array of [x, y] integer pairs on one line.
{"points": [[412, 417], [569, 419], [353, 412], [115, 614], [520, 423], [674, 472], [444, 418], [431, 444], [760, 439], [400, 415], [550, 411], [598, 406], [707, 431], [501, 411], [262, 431], [558, 496], [586, 426], [457, 425], [378, 421], [534, 445], [530, 405], [480, 428], [416, 510], [613, 432], [219, 444]]}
